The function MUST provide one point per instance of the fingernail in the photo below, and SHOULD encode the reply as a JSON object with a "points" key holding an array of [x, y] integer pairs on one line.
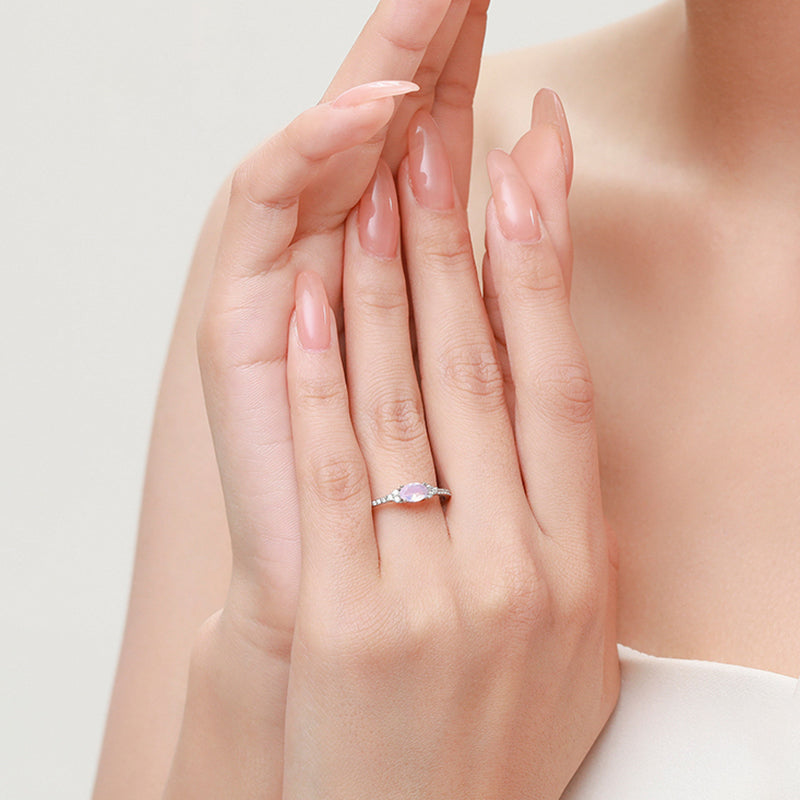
{"points": [[377, 90], [311, 303], [513, 199], [378, 217], [548, 110], [429, 164]]}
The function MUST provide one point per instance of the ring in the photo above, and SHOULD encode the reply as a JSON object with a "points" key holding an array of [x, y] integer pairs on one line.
{"points": [[411, 493]]}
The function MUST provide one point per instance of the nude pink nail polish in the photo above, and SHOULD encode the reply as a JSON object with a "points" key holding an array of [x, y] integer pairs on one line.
{"points": [[378, 217], [311, 310], [513, 199], [429, 164], [548, 110], [377, 90]]}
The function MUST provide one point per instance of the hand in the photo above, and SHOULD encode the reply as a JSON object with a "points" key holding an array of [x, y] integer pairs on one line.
{"points": [[286, 213], [468, 649], [288, 204]]}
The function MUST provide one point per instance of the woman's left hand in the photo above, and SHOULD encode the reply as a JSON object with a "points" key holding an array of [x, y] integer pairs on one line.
{"points": [[467, 649]]}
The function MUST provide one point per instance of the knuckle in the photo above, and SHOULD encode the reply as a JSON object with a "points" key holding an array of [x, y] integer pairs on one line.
{"points": [[456, 92], [337, 479], [397, 420], [248, 183], [447, 250], [515, 601], [472, 369], [245, 185], [431, 621], [426, 78], [319, 393], [565, 391], [376, 298], [225, 343], [538, 279], [410, 43]]}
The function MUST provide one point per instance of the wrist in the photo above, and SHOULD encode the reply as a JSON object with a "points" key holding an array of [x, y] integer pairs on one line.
{"points": [[231, 738]]}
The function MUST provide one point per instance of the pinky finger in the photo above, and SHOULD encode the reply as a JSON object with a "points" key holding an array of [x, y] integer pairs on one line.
{"points": [[338, 545]]}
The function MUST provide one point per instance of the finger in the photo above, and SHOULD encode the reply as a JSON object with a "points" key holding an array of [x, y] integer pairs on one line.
{"points": [[260, 225], [455, 94], [265, 193], [548, 114], [427, 77], [544, 156], [352, 171], [462, 384], [492, 303], [392, 43], [242, 341], [385, 402], [554, 412], [549, 110], [339, 554]]}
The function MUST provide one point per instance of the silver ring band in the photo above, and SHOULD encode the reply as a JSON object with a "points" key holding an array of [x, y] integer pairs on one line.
{"points": [[411, 493]]}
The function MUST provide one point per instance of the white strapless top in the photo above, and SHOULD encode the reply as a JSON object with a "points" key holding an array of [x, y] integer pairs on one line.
{"points": [[695, 730]]}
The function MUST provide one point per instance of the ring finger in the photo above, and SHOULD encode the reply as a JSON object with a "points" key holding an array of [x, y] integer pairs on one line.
{"points": [[386, 405]]}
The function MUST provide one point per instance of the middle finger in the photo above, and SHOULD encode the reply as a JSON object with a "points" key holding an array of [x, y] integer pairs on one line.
{"points": [[462, 383]]}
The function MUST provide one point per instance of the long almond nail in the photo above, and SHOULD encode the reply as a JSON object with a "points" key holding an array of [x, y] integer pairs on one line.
{"points": [[378, 217], [377, 90], [548, 110], [513, 199], [429, 164], [313, 321]]}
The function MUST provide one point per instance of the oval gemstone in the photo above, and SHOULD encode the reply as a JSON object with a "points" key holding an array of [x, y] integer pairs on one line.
{"points": [[413, 492]]}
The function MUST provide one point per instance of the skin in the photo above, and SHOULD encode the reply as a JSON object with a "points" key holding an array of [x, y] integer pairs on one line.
{"points": [[692, 338], [406, 620], [691, 351]]}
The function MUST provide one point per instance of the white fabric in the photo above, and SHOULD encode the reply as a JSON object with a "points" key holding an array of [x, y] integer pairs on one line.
{"points": [[695, 729]]}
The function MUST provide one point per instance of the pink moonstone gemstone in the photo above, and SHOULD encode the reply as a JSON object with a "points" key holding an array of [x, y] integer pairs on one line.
{"points": [[413, 492]]}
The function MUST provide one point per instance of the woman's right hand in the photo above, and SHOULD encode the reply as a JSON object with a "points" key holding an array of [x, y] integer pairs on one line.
{"points": [[289, 201]]}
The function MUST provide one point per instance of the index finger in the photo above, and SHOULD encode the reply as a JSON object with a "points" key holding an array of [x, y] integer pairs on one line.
{"points": [[391, 44]]}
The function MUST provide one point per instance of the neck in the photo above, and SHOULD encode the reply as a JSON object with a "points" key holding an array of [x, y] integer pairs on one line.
{"points": [[743, 67]]}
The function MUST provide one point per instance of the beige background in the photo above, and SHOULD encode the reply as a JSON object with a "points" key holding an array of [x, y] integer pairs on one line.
{"points": [[118, 123]]}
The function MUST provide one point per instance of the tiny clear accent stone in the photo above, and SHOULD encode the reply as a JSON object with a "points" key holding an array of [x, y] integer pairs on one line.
{"points": [[413, 492]]}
